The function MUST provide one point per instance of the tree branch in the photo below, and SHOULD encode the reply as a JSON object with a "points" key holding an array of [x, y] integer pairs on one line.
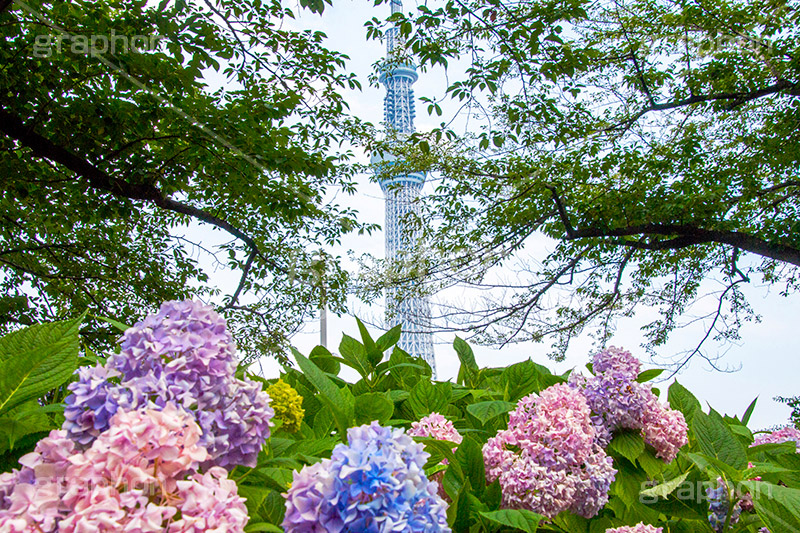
{"points": [[717, 314], [12, 126], [686, 235], [736, 99]]}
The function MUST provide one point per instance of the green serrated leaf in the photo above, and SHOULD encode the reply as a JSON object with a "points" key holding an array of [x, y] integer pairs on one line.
{"points": [[521, 519], [749, 411], [255, 527], [628, 444], [325, 360], [520, 379], [116, 323], [339, 401], [717, 440], [684, 401], [373, 406], [37, 359], [777, 506], [354, 353], [388, 339], [485, 411], [470, 456], [427, 398], [469, 367], [372, 353], [665, 489]]}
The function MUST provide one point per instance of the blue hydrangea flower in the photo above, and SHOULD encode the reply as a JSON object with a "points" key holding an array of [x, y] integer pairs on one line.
{"points": [[374, 484], [94, 400]]}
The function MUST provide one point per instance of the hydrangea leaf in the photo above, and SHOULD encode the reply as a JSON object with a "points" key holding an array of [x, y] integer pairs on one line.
{"points": [[521, 519], [262, 526], [628, 444], [355, 355], [388, 339], [469, 368], [520, 379], [665, 489], [777, 506], [485, 411], [571, 522], [325, 360], [339, 401], [717, 440], [684, 401], [37, 359], [749, 411], [427, 398], [470, 456], [373, 406], [649, 375]]}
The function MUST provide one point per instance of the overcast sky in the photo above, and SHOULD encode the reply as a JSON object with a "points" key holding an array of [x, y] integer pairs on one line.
{"points": [[767, 356]]}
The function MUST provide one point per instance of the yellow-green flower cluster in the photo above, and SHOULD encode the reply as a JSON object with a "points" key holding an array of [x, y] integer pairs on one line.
{"points": [[288, 405]]}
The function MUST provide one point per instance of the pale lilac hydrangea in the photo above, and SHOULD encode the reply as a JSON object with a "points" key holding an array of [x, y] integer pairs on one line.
{"points": [[614, 359], [183, 355], [136, 477], [787, 434], [375, 483], [548, 460], [638, 528], [613, 393], [618, 401]]}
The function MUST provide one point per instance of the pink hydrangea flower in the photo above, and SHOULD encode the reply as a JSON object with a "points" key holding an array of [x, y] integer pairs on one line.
{"points": [[638, 528], [437, 426], [665, 430], [786, 434], [136, 477], [548, 459], [210, 502]]}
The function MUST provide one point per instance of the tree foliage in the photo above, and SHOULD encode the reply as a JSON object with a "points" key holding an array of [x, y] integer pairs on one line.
{"points": [[655, 141], [144, 145]]}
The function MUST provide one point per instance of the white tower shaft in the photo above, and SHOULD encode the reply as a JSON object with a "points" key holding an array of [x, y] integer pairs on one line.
{"points": [[405, 304]]}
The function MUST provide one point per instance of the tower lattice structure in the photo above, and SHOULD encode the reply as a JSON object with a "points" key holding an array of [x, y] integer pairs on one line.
{"points": [[405, 304]]}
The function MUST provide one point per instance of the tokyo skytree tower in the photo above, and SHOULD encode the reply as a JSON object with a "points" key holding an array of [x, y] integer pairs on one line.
{"points": [[404, 305]]}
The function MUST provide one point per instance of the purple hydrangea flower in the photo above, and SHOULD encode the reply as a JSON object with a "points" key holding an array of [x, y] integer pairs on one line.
{"points": [[621, 401], [616, 360], [236, 424], [183, 355], [375, 483], [618, 401], [719, 506]]}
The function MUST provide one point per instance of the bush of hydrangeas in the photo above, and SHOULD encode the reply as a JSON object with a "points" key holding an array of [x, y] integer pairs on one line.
{"points": [[170, 434], [147, 438]]}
